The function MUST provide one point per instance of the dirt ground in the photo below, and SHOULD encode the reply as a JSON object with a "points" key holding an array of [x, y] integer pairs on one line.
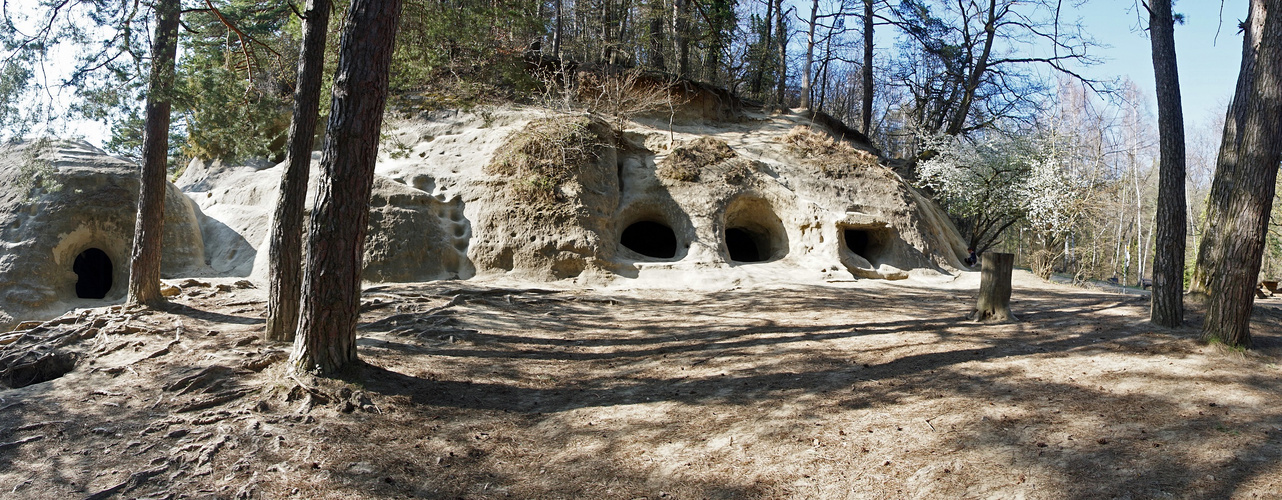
{"points": [[866, 389]]}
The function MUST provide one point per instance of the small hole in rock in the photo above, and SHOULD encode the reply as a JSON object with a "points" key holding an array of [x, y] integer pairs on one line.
{"points": [[93, 271], [651, 239]]}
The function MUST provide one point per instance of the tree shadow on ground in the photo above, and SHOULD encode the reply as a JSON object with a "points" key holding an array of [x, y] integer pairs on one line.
{"points": [[909, 345]]}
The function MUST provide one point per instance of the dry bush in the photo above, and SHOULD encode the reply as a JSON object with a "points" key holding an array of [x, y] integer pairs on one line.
{"points": [[686, 161], [835, 158], [539, 158], [626, 94], [738, 170], [1042, 263]]}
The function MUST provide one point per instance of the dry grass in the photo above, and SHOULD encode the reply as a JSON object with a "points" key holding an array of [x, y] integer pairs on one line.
{"points": [[625, 94], [687, 161], [835, 159], [538, 159]]}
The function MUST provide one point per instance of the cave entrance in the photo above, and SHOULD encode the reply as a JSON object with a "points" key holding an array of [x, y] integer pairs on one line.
{"points": [[93, 271], [746, 245], [651, 239], [869, 243]]}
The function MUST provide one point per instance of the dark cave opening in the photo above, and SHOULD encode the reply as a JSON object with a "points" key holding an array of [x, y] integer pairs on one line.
{"points": [[93, 269], [746, 245], [869, 244], [651, 239]]}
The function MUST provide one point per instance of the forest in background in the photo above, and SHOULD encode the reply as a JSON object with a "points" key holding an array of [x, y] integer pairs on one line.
{"points": [[1028, 156]]}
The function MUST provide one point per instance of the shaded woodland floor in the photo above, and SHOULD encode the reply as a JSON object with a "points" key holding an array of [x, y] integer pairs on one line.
{"points": [[869, 389]]}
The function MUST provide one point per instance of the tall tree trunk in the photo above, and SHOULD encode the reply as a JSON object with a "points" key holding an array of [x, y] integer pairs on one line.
{"points": [[144, 268], [810, 54], [1242, 193], [326, 340], [781, 41], [758, 76], [557, 33], [656, 36], [865, 110], [1167, 307], [1139, 222], [285, 257], [680, 13], [1209, 253]]}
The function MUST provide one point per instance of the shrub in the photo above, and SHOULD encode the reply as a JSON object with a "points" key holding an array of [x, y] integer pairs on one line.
{"points": [[834, 158], [685, 162], [548, 152]]}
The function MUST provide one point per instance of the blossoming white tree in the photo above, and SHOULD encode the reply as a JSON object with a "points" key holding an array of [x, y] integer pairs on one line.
{"points": [[990, 185]]}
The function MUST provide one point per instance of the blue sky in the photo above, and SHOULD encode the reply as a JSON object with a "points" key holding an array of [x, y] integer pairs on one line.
{"points": [[1208, 66]]}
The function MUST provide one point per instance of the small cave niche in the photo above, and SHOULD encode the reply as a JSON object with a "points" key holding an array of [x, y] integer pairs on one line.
{"points": [[753, 232], [93, 274], [746, 245], [651, 239], [871, 243]]}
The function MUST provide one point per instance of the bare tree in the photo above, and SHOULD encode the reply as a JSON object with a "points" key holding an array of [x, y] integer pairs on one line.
{"points": [[972, 66]]}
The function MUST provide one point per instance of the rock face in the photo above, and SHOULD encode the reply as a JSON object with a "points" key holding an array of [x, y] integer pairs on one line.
{"points": [[766, 197], [67, 213], [517, 194]]}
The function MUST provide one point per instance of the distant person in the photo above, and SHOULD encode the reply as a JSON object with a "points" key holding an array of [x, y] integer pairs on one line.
{"points": [[972, 258]]}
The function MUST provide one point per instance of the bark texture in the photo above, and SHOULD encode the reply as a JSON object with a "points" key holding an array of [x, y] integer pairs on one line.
{"points": [[285, 254], [994, 288], [1242, 191], [865, 110], [144, 267], [1167, 308], [326, 341]]}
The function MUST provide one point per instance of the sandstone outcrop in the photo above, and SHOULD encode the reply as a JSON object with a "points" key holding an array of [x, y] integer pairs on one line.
{"points": [[67, 216], [518, 194]]}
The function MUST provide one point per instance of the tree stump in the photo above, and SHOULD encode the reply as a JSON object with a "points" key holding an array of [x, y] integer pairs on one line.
{"points": [[994, 289]]}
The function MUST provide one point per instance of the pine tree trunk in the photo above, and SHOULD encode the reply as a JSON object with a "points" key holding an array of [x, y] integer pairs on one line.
{"points": [[679, 37], [865, 112], [758, 76], [326, 341], [1209, 253], [285, 259], [993, 304], [781, 42], [1242, 192], [1171, 226], [144, 269], [557, 32], [656, 40]]}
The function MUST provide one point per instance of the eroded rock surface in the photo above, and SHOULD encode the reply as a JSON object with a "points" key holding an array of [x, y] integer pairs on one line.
{"points": [[67, 214], [519, 194]]}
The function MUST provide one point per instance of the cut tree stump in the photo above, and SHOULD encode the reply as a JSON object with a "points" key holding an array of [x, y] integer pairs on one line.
{"points": [[993, 304]]}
